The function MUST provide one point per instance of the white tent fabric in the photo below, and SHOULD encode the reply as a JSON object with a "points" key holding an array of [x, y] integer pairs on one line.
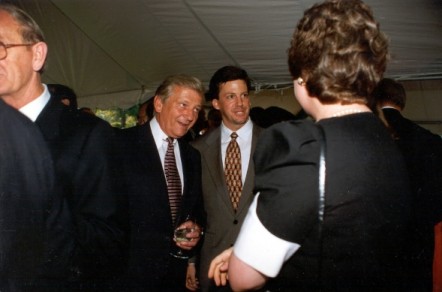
{"points": [[114, 53]]}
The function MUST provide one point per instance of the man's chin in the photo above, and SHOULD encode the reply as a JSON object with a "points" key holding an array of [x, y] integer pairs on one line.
{"points": [[241, 121], [182, 133]]}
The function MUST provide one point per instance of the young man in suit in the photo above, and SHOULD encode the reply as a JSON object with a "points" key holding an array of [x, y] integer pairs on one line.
{"points": [[85, 239], [157, 261], [422, 151], [229, 92]]}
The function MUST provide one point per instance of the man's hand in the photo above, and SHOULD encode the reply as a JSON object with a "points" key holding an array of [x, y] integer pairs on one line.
{"points": [[191, 280], [193, 236]]}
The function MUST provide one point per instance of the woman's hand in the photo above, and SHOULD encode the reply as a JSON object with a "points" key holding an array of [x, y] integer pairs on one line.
{"points": [[219, 267]]}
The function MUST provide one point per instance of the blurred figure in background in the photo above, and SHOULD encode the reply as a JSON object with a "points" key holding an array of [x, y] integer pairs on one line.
{"points": [[422, 151], [214, 118], [64, 93], [257, 115], [145, 112], [87, 110]]}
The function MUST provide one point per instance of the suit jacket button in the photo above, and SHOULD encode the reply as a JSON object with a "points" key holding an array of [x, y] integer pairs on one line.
{"points": [[235, 221]]}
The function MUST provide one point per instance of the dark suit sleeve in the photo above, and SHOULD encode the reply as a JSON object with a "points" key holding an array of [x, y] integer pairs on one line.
{"points": [[96, 199], [427, 174], [192, 205], [26, 186], [422, 151]]}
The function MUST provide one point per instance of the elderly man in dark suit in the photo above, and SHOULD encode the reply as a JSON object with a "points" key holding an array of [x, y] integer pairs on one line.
{"points": [[422, 151], [26, 188], [85, 239], [229, 92], [162, 200]]}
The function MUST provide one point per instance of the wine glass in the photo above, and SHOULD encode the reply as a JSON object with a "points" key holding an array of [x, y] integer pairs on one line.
{"points": [[178, 236]]}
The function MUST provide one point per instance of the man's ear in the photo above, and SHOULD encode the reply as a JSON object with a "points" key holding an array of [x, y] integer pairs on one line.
{"points": [[215, 103], [40, 51], [158, 104]]}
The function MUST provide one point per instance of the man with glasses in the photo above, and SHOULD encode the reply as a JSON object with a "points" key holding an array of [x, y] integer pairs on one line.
{"points": [[85, 240], [4, 47]]}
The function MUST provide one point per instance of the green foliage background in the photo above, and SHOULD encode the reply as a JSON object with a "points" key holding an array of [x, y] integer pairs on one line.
{"points": [[119, 118]]}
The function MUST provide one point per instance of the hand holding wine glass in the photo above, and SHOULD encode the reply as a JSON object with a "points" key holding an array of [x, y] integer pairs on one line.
{"points": [[187, 235]]}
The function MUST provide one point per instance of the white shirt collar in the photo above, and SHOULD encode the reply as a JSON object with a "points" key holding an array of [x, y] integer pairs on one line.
{"points": [[389, 106], [158, 134], [34, 108], [244, 131]]}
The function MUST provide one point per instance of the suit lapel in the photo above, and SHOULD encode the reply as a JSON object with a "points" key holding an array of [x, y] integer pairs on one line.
{"points": [[247, 190], [148, 149], [186, 164], [216, 170], [49, 120], [152, 168]]}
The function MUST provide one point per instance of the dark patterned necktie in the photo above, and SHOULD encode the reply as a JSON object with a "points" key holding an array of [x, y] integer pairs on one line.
{"points": [[173, 180], [232, 170]]}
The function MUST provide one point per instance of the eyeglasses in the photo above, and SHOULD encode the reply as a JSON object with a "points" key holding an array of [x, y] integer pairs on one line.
{"points": [[4, 48]]}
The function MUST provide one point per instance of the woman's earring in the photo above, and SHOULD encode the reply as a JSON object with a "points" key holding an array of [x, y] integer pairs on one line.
{"points": [[300, 81]]}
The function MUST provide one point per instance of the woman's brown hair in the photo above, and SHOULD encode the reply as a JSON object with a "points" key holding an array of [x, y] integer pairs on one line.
{"points": [[339, 51]]}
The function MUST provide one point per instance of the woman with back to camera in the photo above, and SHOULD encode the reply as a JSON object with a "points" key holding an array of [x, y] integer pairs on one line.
{"points": [[336, 58]]}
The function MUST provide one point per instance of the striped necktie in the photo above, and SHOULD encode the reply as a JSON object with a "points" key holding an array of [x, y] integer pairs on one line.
{"points": [[232, 170], [173, 180]]}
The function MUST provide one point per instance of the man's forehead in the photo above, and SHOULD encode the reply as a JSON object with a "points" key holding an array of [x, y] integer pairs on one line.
{"points": [[237, 83], [185, 91], [9, 27]]}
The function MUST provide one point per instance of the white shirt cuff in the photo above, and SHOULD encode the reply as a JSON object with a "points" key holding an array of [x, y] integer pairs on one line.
{"points": [[259, 248]]}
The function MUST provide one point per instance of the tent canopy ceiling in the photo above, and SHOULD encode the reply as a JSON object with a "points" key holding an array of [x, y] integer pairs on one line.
{"points": [[115, 53]]}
